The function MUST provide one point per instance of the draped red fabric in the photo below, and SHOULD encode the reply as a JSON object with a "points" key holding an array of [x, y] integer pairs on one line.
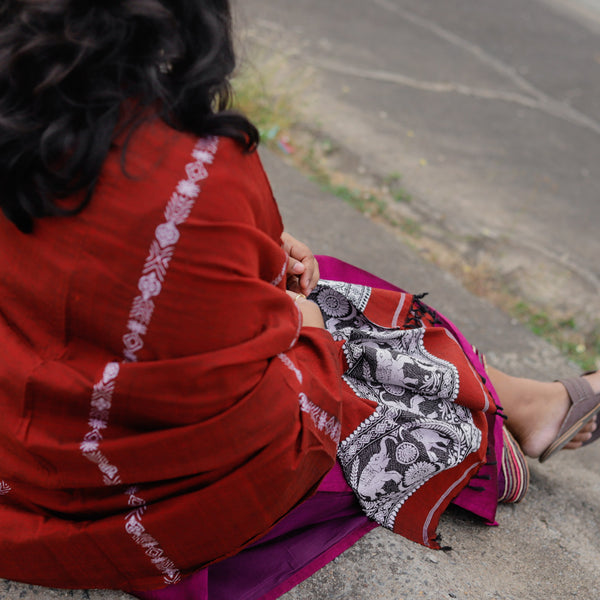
{"points": [[162, 404], [162, 407]]}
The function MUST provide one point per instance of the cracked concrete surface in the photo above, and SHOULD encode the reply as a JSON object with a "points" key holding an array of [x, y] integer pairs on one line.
{"points": [[488, 111]]}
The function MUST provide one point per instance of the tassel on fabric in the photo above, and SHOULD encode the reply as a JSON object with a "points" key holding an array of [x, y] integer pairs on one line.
{"points": [[476, 488]]}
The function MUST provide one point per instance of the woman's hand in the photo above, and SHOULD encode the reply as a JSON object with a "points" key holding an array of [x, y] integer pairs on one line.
{"points": [[311, 313], [302, 269]]}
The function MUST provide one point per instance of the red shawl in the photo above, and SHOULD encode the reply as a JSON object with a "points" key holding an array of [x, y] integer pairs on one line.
{"points": [[162, 407]]}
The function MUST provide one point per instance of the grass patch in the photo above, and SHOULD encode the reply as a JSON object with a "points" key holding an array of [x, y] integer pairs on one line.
{"points": [[366, 203], [563, 333], [401, 195], [398, 193], [411, 227], [267, 89]]}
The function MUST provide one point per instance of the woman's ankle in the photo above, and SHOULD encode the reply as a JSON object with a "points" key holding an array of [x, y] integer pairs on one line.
{"points": [[536, 420]]}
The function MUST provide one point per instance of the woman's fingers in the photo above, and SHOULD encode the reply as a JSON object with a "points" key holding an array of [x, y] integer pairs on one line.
{"points": [[303, 269]]}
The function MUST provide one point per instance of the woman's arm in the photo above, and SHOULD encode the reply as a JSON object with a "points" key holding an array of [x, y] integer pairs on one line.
{"points": [[311, 314]]}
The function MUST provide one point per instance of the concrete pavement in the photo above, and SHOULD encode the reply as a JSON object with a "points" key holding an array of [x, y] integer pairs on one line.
{"points": [[545, 547], [489, 111]]}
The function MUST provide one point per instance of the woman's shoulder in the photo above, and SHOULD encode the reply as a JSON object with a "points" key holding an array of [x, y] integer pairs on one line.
{"points": [[156, 143], [155, 151], [153, 162]]}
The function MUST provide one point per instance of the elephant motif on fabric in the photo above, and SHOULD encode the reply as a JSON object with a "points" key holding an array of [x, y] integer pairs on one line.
{"points": [[374, 476]]}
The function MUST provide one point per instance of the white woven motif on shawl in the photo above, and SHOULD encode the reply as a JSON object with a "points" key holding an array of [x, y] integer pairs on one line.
{"points": [[418, 430]]}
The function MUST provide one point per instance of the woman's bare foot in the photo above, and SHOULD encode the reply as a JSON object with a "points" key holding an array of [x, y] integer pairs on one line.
{"points": [[536, 410]]}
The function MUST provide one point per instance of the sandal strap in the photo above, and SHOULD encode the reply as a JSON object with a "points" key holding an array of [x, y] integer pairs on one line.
{"points": [[583, 400], [584, 405], [578, 389]]}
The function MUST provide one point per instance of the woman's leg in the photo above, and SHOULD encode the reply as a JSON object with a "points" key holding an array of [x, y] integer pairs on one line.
{"points": [[536, 409]]}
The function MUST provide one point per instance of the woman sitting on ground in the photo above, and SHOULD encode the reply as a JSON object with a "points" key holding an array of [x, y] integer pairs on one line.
{"points": [[174, 408]]}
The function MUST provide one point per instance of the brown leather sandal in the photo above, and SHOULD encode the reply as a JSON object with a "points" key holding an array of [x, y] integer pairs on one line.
{"points": [[584, 406]]}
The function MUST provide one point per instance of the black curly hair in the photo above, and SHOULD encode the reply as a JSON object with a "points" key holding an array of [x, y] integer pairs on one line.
{"points": [[71, 70]]}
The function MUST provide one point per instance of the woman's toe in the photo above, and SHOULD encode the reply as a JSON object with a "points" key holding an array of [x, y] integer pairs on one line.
{"points": [[583, 435]]}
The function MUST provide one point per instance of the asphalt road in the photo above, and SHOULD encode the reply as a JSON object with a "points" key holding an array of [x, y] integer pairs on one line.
{"points": [[489, 110]]}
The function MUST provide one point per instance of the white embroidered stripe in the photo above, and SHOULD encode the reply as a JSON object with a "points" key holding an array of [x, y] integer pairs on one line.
{"points": [[4, 488], [98, 421], [150, 284], [291, 366], [484, 393], [162, 248], [279, 277], [398, 310], [454, 338], [448, 365], [298, 328], [136, 529], [323, 421], [443, 497]]}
